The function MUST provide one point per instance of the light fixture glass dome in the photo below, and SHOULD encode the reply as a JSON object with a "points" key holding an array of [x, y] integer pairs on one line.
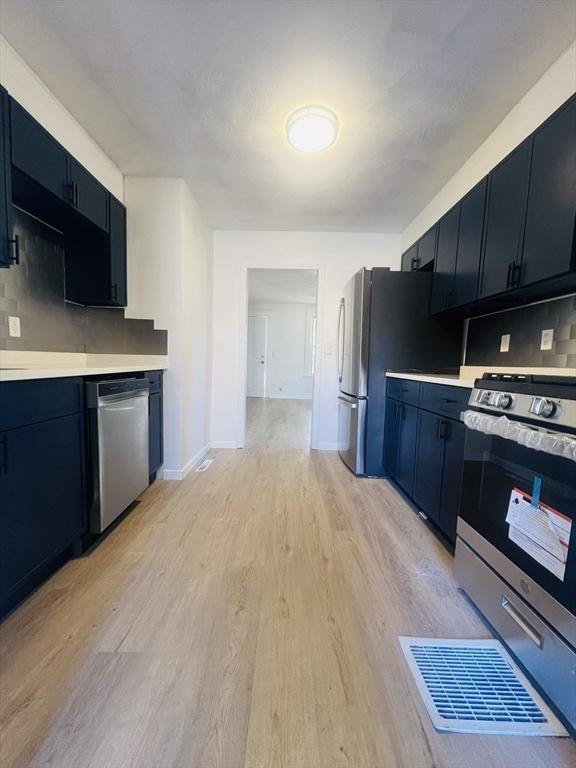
{"points": [[312, 129]]}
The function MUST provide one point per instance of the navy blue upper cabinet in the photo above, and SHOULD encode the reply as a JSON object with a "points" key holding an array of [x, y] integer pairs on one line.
{"points": [[8, 252], [410, 259], [87, 195], [427, 248], [505, 215], [445, 264], [117, 253], [37, 154], [469, 245], [551, 212]]}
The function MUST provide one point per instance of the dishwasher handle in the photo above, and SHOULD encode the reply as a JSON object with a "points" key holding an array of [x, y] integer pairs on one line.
{"points": [[104, 400]]}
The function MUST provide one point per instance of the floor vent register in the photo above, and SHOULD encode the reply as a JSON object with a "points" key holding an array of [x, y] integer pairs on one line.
{"points": [[473, 686]]}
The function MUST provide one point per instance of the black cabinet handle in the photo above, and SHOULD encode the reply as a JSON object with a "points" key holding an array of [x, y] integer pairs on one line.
{"points": [[70, 197], [415, 263], [515, 276], [509, 275], [2, 454], [15, 256], [442, 429], [76, 195], [114, 292]]}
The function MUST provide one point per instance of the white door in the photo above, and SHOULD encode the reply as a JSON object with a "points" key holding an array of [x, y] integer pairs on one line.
{"points": [[256, 363]]}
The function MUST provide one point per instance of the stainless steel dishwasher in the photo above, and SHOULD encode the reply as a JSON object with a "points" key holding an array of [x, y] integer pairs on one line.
{"points": [[118, 434]]}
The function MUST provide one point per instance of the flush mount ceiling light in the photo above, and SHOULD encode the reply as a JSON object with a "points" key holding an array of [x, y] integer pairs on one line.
{"points": [[312, 129]]}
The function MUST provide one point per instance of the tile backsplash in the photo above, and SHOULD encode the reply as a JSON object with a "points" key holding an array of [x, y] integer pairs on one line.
{"points": [[34, 292], [525, 325]]}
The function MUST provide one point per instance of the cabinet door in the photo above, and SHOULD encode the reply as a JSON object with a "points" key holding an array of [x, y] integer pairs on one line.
{"points": [[469, 245], [391, 435], [453, 433], [42, 496], [155, 432], [410, 259], [37, 154], [89, 197], [445, 264], [428, 465], [117, 253], [407, 428], [427, 247], [505, 214], [551, 212], [6, 246]]}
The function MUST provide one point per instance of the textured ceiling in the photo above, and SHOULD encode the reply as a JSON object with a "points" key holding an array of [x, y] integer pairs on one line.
{"points": [[202, 90], [278, 285]]}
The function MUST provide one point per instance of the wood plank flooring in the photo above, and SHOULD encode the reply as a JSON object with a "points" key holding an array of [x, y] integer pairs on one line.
{"points": [[245, 617]]}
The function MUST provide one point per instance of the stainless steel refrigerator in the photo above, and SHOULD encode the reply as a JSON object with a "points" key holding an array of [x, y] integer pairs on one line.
{"points": [[384, 325]]}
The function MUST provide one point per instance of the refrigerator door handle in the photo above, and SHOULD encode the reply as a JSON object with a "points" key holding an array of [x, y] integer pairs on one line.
{"points": [[341, 332], [348, 403]]}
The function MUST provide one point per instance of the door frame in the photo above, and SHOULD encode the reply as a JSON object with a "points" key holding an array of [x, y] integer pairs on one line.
{"points": [[243, 343], [260, 317]]}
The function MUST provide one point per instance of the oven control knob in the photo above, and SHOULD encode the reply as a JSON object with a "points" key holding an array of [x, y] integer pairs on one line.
{"points": [[483, 397], [540, 406], [504, 400]]}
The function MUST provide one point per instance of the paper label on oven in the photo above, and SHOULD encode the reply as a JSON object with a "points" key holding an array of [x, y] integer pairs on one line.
{"points": [[541, 531]]}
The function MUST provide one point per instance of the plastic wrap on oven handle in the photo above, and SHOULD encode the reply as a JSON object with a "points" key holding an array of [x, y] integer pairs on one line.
{"points": [[554, 443]]}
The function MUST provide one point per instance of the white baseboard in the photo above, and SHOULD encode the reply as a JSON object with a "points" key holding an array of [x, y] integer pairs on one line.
{"points": [[180, 474], [223, 444], [326, 447]]}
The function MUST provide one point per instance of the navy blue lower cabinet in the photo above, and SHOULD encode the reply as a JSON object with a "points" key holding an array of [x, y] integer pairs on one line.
{"points": [[424, 450], [453, 437], [429, 463], [391, 435], [42, 504], [406, 451], [155, 432]]}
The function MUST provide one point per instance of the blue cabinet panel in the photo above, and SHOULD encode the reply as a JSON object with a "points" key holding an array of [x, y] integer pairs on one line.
{"points": [[8, 252], [42, 509], [429, 464], [27, 402]]}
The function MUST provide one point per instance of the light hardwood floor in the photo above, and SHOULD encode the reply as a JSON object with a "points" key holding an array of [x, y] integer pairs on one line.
{"points": [[247, 616]]}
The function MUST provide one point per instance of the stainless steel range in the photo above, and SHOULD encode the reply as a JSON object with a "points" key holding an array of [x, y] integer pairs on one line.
{"points": [[516, 545]]}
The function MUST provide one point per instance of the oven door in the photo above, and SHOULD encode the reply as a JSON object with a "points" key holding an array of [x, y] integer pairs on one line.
{"points": [[519, 493]]}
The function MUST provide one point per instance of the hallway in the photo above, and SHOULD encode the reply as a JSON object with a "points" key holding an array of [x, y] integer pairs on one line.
{"points": [[278, 424], [246, 616]]}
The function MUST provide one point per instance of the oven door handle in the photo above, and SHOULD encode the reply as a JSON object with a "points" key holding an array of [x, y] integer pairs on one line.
{"points": [[547, 441], [524, 625]]}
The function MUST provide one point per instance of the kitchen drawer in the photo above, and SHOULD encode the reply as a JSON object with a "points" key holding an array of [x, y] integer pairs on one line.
{"points": [[445, 400], [29, 402], [406, 390]]}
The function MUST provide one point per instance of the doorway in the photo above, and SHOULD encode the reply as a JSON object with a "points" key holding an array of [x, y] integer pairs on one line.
{"points": [[280, 357]]}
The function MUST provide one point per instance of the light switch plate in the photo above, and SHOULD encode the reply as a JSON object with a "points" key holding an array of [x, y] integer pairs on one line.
{"points": [[505, 342], [13, 326], [547, 340]]}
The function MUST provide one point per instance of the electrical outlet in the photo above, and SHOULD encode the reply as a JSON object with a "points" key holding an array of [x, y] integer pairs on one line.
{"points": [[14, 326], [505, 342], [547, 339]]}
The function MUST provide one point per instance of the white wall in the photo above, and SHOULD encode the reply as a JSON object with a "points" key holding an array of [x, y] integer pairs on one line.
{"points": [[554, 87], [27, 88], [337, 256], [169, 273], [286, 341]]}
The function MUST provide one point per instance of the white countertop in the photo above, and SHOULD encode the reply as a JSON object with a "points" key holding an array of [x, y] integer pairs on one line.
{"points": [[451, 380], [23, 366], [23, 374]]}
